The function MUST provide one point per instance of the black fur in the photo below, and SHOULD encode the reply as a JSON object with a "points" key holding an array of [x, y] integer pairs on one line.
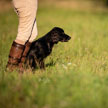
{"points": [[42, 47]]}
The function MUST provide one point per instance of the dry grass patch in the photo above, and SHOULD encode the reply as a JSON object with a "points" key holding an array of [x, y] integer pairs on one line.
{"points": [[5, 6], [75, 4]]}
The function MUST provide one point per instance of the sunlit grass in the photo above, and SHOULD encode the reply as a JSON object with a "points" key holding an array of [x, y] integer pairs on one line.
{"points": [[76, 73]]}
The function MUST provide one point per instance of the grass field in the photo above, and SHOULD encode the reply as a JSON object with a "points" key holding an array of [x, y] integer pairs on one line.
{"points": [[76, 73]]}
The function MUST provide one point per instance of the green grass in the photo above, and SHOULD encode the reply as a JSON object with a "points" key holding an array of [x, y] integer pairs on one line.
{"points": [[76, 73]]}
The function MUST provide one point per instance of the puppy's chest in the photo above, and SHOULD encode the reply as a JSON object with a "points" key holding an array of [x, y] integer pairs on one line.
{"points": [[43, 50]]}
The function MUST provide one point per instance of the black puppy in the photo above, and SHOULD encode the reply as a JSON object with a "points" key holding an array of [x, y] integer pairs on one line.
{"points": [[42, 47]]}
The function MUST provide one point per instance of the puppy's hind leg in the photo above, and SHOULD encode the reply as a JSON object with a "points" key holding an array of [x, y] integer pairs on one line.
{"points": [[42, 65], [31, 62]]}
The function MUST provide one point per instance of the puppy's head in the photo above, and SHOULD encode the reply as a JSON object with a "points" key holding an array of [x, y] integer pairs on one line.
{"points": [[58, 35]]}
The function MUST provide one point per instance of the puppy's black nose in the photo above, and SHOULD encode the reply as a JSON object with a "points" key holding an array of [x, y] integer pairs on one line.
{"points": [[69, 38]]}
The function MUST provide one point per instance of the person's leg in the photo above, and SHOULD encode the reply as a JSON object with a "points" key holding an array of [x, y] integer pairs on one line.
{"points": [[31, 38], [27, 16], [26, 10], [15, 54], [28, 44]]}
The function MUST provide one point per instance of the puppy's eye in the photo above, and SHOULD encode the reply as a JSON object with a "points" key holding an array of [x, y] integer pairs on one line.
{"points": [[55, 34]]}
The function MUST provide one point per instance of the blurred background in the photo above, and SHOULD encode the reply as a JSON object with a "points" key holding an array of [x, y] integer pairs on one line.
{"points": [[73, 4], [76, 73]]}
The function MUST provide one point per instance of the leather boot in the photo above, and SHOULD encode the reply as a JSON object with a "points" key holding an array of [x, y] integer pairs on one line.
{"points": [[24, 55], [15, 55]]}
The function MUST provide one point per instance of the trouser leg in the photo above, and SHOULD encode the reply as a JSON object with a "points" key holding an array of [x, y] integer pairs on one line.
{"points": [[27, 28]]}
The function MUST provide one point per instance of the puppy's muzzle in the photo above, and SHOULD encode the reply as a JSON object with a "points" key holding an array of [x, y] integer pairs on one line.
{"points": [[66, 38]]}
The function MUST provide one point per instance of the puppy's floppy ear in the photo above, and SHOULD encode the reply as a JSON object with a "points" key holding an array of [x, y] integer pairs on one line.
{"points": [[54, 37], [55, 40]]}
